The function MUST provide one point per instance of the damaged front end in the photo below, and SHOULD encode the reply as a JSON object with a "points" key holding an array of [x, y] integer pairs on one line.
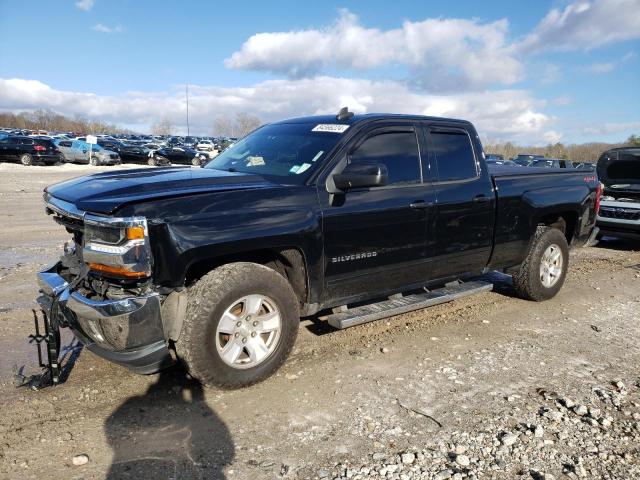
{"points": [[101, 288], [619, 170]]}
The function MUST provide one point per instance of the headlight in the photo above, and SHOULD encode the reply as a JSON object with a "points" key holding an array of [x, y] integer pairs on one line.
{"points": [[117, 246]]}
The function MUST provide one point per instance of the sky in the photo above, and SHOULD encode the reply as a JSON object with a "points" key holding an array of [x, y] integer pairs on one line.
{"points": [[531, 73]]}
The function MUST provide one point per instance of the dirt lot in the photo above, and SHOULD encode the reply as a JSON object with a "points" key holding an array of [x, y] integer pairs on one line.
{"points": [[486, 387]]}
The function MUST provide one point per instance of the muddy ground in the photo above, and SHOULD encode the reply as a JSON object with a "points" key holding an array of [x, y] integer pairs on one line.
{"points": [[340, 406]]}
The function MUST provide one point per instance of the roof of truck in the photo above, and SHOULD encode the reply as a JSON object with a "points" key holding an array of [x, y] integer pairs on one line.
{"points": [[323, 119]]}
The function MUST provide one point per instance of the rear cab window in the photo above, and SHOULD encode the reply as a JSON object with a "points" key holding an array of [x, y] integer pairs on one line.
{"points": [[453, 155]]}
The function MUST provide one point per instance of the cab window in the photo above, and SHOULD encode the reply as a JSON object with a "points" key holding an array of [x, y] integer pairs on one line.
{"points": [[398, 151]]}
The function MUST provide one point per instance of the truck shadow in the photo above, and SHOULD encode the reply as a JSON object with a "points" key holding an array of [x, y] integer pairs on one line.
{"points": [[169, 432]]}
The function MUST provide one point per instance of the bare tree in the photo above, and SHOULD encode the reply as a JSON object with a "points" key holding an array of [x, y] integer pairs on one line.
{"points": [[224, 127], [239, 126], [163, 126], [246, 123]]}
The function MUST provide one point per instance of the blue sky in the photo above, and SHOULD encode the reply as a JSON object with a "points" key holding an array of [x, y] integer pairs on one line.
{"points": [[529, 72]]}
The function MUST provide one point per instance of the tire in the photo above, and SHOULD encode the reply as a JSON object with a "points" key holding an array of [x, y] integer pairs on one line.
{"points": [[94, 162], [26, 159], [202, 341], [152, 162], [532, 281], [196, 162]]}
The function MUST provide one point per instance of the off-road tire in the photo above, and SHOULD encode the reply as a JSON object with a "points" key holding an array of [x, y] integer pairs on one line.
{"points": [[208, 300], [26, 159], [526, 280]]}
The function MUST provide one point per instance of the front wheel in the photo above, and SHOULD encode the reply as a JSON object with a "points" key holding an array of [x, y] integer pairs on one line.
{"points": [[241, 323], [152, 162], [94, 161], [543, 272]]}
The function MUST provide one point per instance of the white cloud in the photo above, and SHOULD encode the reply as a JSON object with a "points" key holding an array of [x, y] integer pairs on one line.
{"points": [[99, 27], [612, 127], [441, 54], [85, 5], [599, 68], [584, 25], [502, 115]]}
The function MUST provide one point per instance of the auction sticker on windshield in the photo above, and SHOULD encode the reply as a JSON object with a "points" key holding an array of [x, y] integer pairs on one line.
{"points": [[330, 127]]}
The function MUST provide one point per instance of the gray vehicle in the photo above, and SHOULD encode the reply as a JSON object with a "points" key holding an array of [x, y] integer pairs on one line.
{"points": [[619, 172], [77, 151]]}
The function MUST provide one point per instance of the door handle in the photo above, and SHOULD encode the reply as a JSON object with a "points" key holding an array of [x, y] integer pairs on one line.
{"points": [[420, 204], [481, 199]]}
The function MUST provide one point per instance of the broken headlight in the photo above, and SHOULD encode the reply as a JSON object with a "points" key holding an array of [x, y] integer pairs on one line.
{"points": [[117, 247]]}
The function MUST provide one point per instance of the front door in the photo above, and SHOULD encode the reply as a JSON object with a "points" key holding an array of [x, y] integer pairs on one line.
{"points": [[375, 238]]}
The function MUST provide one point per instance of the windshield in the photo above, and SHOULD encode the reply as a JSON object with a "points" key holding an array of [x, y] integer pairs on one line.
{"points": [[286, 153]]}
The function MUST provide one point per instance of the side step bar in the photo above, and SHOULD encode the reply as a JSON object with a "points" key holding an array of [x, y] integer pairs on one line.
{"points": [[395, 306]]}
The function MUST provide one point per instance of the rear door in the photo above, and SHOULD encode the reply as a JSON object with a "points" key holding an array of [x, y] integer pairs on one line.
{"points": [[67, 152], [375, 238], [80, 152], [465, 212]]}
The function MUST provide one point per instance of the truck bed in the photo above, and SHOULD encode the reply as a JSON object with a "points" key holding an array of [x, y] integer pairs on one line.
{"points": [[508, 171]]}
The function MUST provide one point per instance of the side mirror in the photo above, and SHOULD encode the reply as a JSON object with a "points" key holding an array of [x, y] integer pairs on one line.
{"points": [[361, 175]]}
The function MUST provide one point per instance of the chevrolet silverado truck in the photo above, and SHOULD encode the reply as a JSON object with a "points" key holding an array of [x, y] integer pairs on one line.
{"points": [[619, 171], [357, 216]]}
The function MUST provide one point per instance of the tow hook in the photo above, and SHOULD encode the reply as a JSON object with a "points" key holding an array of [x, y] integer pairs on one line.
{"points": [[51, 340]]}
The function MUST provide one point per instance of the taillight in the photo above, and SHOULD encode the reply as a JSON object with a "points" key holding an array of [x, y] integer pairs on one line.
{"points": [[598, 197], [39, 148]]}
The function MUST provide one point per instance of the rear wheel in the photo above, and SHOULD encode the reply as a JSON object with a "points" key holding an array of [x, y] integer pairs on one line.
{"points": [[26, 159], [241, 323], [543, 272]]}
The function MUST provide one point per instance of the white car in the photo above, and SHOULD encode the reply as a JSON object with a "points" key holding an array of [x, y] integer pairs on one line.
{"points": [[205, 145]]}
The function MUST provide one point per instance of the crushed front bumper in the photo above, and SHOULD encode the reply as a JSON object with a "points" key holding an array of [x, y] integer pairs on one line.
{"points": [[127, 331]]}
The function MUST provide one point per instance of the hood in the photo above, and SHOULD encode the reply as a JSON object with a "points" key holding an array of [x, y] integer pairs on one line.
{"points": [[620, 166], [106, 192]]}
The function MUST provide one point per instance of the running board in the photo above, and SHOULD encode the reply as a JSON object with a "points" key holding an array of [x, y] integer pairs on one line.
{"points": [[395, 306]]}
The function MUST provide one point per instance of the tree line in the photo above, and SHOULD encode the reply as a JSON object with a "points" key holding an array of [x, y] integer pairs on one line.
{"points": [[55, 122], [577, 152], [244, 123]]}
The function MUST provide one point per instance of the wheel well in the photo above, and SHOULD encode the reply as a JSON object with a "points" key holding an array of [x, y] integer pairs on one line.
{"points": [[564, 221], [288, 262]]}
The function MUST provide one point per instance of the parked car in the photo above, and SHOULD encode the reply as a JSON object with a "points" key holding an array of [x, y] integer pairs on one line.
{"points": [[499, 160], [175, 155], [307, 214], [205, 145], [29, 150], [78, 151], [525, 159], [552, 163], [493, 156], [111, 144], [619, 170], [135, 154]]}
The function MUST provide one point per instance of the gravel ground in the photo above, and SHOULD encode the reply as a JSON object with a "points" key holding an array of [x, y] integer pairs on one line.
{"points": [[486, 387]]}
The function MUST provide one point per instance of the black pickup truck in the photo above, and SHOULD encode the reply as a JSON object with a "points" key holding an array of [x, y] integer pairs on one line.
{"points": [[360, 216]]}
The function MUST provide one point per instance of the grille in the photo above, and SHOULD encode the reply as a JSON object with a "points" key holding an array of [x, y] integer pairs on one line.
{"points": [[620, 213]]}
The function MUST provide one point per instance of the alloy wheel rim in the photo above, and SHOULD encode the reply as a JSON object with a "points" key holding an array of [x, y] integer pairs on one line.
{"points": [[551, 266], [249, 331]]}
